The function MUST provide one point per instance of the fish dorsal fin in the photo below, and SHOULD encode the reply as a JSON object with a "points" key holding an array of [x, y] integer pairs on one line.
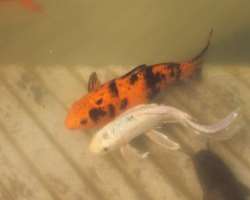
{"points": [[135, 70], [94, 82], [138, 68]]}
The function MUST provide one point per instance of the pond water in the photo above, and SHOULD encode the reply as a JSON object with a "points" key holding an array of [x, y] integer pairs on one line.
{"points": [[46, 57]]}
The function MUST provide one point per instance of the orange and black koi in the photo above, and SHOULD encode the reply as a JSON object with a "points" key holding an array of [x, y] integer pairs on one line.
{"points": [[30, 5], [106, 101]]}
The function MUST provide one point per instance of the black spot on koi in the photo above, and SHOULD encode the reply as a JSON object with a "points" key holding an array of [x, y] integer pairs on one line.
{"points": [[111, 110], [113, 89], [133, 79], [124, 103], [99, 101], [175, 70], [151, 81], [96, 113]]}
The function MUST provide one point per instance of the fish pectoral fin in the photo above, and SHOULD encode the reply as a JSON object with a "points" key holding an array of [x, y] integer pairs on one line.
{"points": [[162, 140], [127, 151], [93, 82]]}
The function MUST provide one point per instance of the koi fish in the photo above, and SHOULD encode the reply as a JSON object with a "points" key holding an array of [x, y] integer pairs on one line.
{"points": [[31, 5], [217, 180], [27, 4], [104, 102], [141, 120]]}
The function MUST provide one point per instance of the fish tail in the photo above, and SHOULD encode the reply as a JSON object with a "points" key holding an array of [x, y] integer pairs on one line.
{"points": [[213, 128], [192, 67], [198, 58]]}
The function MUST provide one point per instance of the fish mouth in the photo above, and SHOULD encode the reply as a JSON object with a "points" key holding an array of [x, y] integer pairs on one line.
{"points": [[70, 123], [96, 146]]}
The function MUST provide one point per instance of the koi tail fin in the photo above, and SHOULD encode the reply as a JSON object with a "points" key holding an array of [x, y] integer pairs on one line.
{"points": [[210, 130], [198, 58], [191, 67]]}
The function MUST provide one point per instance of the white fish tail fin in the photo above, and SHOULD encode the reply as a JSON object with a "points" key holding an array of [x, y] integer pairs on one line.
{"points": [[213, 128]]}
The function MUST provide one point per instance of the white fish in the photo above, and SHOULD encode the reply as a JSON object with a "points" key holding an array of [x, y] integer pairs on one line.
{"points": [[141, 120]]}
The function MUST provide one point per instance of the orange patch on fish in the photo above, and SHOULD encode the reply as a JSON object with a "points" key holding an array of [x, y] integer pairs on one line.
{"points": [[31, 5], [104, 102]]}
